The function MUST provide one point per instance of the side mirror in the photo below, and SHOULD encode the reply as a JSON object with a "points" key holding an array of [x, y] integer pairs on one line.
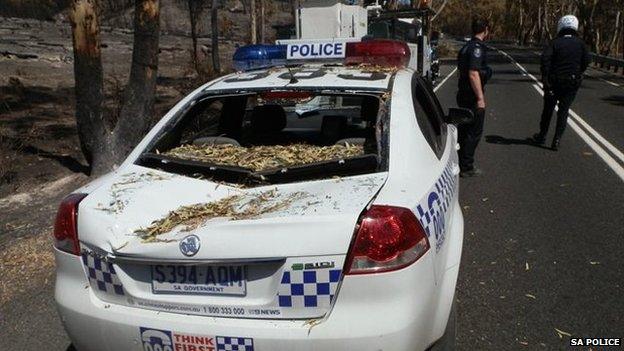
{"points": [[459, 116]]}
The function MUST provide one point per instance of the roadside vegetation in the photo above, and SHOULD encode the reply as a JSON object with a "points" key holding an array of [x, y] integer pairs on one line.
{"points": [[535, 21]]}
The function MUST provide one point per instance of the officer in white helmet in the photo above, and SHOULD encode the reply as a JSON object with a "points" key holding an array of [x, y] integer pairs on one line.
{"points": [[563, 62]]}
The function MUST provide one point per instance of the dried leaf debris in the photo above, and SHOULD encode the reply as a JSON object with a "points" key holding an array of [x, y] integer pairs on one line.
{"points": [[234, 207], [262, 158], [128, 183], [562, 333]]}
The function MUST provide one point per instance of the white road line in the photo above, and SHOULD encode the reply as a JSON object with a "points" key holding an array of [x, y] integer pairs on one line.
{"points": [[610, 161], [598, 149], [617, 168], [444, 80], [609, 82], [616, 152]]}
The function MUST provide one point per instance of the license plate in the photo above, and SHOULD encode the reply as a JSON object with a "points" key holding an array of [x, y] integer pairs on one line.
{"points": [[203, 280]]}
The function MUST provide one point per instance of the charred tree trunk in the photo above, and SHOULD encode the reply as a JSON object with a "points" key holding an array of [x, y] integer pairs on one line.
{"points": [[521, 25], [106, 143], [586, 10], [547, 21], [193, 16], [136, 113], [252, 13], [439, 10], [612, 47], [262, 38], [216, 65], [89, 80], [540, 26]]}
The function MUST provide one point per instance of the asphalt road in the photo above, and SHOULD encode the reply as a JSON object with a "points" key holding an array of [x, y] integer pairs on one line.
{"points": [[544, 230]]}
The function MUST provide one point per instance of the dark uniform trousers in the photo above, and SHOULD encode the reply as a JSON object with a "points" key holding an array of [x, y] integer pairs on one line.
{"points": [[469, 135], [563, 96], [472, 57], [564, 60]]}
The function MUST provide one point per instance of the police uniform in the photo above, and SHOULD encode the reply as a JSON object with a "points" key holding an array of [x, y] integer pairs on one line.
{"points": [[473, 56], [563, 62]]}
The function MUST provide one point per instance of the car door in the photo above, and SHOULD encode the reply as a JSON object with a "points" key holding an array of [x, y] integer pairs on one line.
{"points": [[443, 194]]}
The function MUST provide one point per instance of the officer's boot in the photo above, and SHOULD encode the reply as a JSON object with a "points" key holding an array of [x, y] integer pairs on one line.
{"points": [[555, 143]]}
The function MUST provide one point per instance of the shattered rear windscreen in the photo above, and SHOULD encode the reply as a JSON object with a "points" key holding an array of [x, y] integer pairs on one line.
{"points": [[271, 137]]}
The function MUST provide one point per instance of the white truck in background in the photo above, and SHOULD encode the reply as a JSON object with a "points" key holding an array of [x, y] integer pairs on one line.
{"points": [[323, 20]]}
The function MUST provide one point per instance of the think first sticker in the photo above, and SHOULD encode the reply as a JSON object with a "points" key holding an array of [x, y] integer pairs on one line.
{"points": [[165, 340]]}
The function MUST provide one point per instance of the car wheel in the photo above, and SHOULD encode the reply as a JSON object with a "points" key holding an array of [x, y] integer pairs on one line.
{"points": [[447, 342]]}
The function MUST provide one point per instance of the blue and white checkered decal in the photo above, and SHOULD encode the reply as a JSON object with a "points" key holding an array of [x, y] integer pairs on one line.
{"points": [[432, 209], [308, 288], [102, 275], [231, 343]]}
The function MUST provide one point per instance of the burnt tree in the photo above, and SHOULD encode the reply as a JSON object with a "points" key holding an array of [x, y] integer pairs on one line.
{"points": [[214, 23], [195, 9], [254, 26], [106, 140]]}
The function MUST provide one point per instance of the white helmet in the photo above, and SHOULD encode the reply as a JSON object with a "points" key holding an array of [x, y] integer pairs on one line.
{"points": [[568, 22]]}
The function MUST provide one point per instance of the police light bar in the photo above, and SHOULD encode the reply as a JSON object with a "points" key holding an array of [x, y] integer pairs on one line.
{"points": [[390, 53]]}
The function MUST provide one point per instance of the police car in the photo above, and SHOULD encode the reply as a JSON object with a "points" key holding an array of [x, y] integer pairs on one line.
{"points": [[355, 253]]}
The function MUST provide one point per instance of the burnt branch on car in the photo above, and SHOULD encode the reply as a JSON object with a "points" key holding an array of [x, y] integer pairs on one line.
{"points": [[264, 158], [234, 207], [121, 190]]}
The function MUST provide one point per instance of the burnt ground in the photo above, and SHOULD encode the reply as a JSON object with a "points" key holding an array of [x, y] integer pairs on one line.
{"points": [[40, 157]]}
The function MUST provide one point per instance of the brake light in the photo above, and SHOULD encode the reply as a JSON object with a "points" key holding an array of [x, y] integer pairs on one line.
{"points": [[277, 95], [378, 52], [388, 238], [66, 224]]}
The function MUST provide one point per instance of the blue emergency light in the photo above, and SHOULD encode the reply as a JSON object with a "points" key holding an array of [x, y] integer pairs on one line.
{"points": [[259, 56]]}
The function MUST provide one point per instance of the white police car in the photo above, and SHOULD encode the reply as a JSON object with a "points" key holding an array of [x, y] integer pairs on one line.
{"points": [[355, 253]]}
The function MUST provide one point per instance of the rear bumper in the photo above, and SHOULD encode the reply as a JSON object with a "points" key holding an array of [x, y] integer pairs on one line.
{"points": [[389, 311]]}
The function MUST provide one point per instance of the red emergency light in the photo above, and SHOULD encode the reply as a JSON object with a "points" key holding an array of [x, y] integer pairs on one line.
{"points": [[380, 52]]}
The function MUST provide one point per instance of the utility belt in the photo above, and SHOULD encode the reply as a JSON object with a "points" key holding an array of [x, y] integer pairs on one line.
{"points": [[485, 74], [566, 81]]}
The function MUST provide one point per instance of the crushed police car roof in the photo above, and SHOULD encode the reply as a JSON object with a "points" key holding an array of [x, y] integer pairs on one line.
{"points": [[363, 78]]}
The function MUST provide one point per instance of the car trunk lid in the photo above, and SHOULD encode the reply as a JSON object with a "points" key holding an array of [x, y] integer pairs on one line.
{"points": [[291, 255]]}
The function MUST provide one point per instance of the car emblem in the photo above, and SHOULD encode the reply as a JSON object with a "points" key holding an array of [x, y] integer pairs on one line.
{"points": [[189, 246]]}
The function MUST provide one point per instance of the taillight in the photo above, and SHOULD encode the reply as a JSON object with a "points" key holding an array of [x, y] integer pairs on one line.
{"points": [[388, 238], [66, 224]]}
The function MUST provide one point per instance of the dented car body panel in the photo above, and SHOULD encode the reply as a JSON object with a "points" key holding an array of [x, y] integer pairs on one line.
{"points": [[112, 214]]}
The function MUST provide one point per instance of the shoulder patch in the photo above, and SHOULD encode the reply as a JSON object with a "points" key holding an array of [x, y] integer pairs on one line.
{"points": [[477, 52]]}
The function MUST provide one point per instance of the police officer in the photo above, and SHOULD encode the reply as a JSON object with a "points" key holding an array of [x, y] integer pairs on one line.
{"points": [[563, 62], [473, 75]]}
